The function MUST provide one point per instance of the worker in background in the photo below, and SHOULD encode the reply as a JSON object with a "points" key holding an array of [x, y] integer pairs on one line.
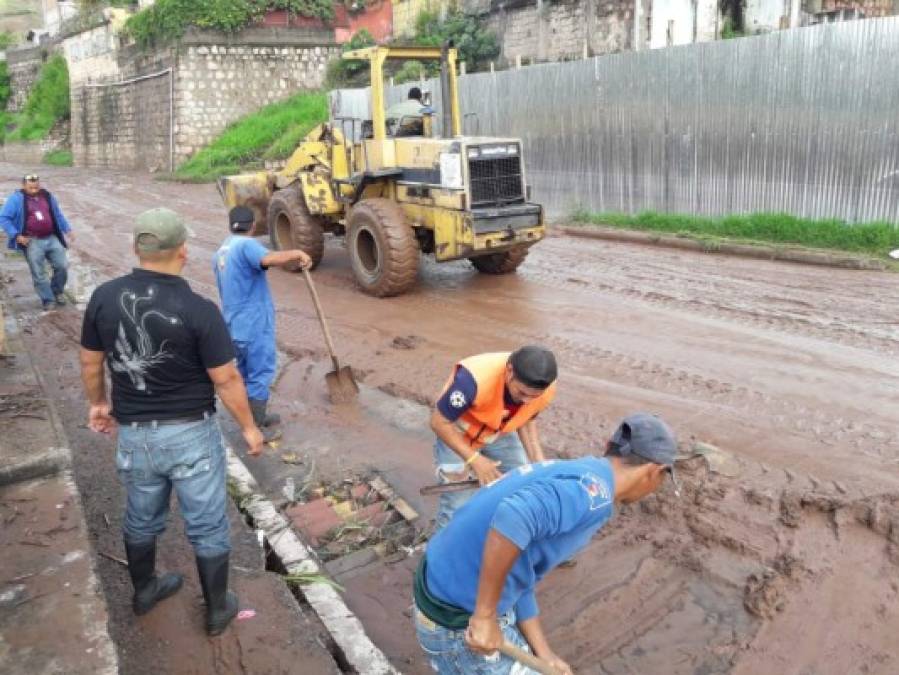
{"points": [[405, 118], [36, 226], [487, 398], [240, 266], [475, 585]]}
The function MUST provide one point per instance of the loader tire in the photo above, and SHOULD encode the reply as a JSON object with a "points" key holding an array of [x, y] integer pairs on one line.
{"points": [[383, 249], [500, 263], [290, 225]]}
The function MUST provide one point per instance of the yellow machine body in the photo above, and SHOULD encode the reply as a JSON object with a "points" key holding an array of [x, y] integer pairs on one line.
{"points": [[464, 196]]}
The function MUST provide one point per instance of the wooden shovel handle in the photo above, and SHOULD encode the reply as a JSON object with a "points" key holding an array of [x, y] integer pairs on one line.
{"points": [[527, 659], [321, 318]]}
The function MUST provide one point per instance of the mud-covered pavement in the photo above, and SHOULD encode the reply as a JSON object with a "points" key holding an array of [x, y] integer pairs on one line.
{"points": [[781, 554]]}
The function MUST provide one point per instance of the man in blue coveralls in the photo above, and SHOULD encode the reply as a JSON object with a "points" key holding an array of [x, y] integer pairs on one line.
{"points": [[474, 587], [240, 265]]}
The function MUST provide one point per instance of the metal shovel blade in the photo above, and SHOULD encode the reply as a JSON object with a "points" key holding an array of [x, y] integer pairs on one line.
{"points": [[342, 387]]}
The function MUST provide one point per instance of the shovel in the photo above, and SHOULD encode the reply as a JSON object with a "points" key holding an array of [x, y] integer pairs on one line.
{"points": [[456, 486], [342, 387], [527, 659]]}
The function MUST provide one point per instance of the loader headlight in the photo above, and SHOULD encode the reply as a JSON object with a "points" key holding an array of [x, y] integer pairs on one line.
{"points": [[473, 153], [451, 169]]}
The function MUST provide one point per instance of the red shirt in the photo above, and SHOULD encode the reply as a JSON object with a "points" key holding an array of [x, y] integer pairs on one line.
{"points": [[38, 222]]}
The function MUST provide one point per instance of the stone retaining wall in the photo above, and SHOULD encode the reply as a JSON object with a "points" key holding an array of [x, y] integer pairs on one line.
{"points": [[132, 109], [24, 66]]}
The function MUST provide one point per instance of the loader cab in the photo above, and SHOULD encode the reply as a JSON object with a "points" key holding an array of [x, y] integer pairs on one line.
{"points": [[377, 132]]}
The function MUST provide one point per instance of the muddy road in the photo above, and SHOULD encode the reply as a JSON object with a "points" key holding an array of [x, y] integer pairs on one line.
{"points": [[780, 556]]}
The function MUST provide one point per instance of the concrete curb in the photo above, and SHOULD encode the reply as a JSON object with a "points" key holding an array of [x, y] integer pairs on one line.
{"points": [[55, 461], [46, 464], [759, 251], [346, 630]]}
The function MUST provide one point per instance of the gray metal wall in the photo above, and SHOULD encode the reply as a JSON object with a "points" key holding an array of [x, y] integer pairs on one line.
{"points": [[802, 121]]}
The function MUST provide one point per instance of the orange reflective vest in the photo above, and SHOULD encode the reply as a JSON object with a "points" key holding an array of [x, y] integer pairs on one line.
{"points": [[484, 420]]}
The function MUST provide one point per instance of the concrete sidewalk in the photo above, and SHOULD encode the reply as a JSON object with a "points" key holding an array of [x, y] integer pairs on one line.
{"points": [[53, 616], [43, 412]]}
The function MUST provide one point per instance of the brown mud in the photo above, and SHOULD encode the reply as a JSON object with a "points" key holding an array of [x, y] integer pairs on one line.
{"points": [[779, 558]]}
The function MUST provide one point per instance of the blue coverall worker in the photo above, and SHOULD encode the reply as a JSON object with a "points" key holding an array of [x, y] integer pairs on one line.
{"points": [[240, 266]]}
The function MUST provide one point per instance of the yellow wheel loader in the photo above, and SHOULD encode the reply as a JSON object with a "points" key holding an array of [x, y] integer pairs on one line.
{"points": [[398, 190]]}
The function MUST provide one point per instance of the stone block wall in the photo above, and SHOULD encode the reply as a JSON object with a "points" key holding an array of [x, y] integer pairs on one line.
{"points": [[24, 66], [124, 113], [219, 81], [544, 30], [121, 103], [405, 14], [123, 125]]}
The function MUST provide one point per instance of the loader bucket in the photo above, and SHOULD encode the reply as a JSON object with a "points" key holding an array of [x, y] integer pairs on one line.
{"points": [[253, 190]]}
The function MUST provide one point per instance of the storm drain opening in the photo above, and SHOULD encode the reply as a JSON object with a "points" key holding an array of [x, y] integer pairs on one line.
{"points": [[294, 582], [354, 523]]}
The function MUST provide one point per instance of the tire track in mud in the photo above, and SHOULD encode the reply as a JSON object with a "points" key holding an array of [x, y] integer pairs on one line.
{"points": [[298, 330], [616, 366], [566, 271], [784, 412]]}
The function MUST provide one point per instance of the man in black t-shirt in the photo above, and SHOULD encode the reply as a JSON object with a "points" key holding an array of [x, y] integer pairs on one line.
{"points": [[169, 353]]}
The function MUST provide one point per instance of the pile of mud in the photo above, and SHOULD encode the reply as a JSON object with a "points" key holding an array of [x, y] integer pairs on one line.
{"points": [[762, 573]]}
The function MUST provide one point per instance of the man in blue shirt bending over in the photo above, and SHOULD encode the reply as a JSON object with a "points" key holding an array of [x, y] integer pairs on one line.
{"points": [[475, 585]]}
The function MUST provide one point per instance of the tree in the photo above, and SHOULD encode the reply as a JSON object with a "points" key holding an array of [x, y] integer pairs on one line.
{"points": [[344, 73]]}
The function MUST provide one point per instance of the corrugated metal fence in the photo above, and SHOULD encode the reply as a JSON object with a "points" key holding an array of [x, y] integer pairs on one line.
{"points": [[803, 121]]}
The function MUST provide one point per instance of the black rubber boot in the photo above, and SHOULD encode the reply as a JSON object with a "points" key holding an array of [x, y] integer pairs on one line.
{"points": [[261, 415], [148, 587], [221, 604], [262, 420]]}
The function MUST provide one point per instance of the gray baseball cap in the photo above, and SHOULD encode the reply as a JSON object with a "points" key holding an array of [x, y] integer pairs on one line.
{"points": [[647, 436], [159, 229]]}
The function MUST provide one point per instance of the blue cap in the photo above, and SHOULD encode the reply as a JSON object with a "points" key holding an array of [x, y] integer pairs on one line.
{"points": [[646, 436]]}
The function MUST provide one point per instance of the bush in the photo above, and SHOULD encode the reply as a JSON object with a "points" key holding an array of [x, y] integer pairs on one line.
{"points": [[5, 89], [476, 45], [59, 158], [270, 133], [342, 73], [7, 39], [48, 102], [167, 20]]}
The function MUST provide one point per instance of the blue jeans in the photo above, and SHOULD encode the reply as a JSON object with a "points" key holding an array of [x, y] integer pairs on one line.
{"points": [[449, 655], [37, 253], [151, 459], [506, 449]]}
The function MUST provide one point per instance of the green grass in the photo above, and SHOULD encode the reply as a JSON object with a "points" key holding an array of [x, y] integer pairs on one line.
{"points": [[48, 102], [874, 238], [59, 158], [270, 133]]}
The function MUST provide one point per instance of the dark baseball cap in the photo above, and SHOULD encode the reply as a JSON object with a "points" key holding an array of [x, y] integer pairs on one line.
{"points": [[240, 218], [159, 229], [648, 437]]}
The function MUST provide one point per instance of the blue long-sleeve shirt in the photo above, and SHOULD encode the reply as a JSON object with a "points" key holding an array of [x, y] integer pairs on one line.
{"points": [[243, 287], [12, 218], [550, 511]]}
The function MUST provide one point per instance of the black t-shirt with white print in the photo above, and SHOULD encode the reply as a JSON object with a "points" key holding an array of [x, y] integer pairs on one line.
{"points": [[159, 338]]}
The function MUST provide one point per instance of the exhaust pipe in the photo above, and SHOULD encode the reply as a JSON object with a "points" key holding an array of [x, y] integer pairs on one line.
{"points": [[445, 93]]}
